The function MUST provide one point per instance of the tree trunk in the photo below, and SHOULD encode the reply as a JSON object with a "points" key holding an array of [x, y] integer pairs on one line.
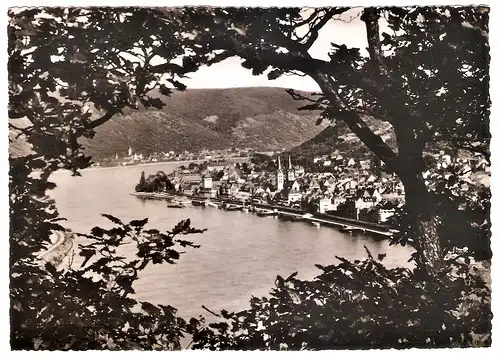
{"points": [[423, 223], [408, 164]]}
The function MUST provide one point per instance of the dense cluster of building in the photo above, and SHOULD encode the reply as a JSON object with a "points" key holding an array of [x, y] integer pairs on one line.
{"points": [[348, 191], [354, 188]]}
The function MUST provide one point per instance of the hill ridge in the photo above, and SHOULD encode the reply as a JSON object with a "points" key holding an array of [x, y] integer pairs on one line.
{"points": [[262, 118]]}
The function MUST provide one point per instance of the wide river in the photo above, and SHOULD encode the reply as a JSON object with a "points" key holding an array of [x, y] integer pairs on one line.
{"points": [[240, 254]]}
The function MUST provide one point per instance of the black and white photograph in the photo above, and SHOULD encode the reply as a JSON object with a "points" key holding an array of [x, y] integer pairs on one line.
{"points": [[249, 178]]}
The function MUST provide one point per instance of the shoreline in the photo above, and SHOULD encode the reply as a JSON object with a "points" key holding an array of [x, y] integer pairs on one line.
{"points": [[351, 224], [147, 164]]}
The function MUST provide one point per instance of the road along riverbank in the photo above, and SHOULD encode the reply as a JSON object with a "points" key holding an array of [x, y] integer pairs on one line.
{"points": [[318, 219], [57, 253]]}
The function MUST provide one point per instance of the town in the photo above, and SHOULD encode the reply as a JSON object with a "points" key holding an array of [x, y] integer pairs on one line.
{"points": [[348, 188], [358, 189]]}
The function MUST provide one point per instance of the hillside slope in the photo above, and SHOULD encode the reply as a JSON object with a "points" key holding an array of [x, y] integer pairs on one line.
{"points": [[196, 119], [338, 137]]}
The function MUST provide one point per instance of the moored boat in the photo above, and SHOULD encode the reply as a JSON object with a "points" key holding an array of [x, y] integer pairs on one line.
{"points": [[175, 205], [212, 204], [198, 203], [264, 213], [348, 229], [288, 217], [233, 207]]}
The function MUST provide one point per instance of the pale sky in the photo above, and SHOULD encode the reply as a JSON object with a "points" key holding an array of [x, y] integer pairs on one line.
{"points": [[229, 73]]}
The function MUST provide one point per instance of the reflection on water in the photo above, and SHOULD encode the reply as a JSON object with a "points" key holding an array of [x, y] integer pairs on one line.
{"points": [[240, 254]]}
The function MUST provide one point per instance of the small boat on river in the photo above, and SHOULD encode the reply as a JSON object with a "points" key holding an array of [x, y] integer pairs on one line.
{"points": [[175, 205], [348, 229], [198, 203], [212, 204], [233, 207], [263, 213], [288, 217]]}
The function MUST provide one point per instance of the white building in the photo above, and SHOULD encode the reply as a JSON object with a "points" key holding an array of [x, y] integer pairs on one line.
{"points": [[294, 196], [365, 164], [377, 196], [207, 181], [314, 185], [385, 214], [362, 203], [295, 186], [325, 205]]}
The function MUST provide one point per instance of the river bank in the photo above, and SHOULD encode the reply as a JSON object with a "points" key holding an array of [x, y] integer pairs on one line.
{"points": [[344, 224], [60, 249], [140, 165]]}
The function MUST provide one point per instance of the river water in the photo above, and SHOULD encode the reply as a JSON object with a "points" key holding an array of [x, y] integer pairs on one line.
{"points": [[240, 254]]}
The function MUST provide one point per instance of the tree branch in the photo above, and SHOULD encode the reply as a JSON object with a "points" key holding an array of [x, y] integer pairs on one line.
{"points": [[206, 309], [314, 30], [100, 121], [307, 20], [167, 67], [386, 87], [297, 96], [370, 17], [357, 125], [18, 128]]}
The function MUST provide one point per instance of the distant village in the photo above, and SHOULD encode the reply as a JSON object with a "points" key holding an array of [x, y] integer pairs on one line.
{"points": [[132, 157]]}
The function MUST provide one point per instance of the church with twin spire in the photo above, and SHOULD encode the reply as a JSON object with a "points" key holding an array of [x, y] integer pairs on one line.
{"points": [[284, 175]]}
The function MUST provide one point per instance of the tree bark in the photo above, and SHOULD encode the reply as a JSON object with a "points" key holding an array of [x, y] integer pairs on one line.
{"points": [[419, 204], [423, 222]]}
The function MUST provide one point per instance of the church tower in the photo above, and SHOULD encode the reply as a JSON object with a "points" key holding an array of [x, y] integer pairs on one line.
{"points": [[280, 177], [291, 171]]}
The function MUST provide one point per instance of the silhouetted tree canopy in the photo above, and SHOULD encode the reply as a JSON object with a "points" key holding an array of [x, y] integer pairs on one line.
{"points": [[72, 69]]}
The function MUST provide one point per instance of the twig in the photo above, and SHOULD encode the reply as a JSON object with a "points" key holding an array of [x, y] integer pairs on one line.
{"points": [[351, 18], [213, 313], [369, 253]]}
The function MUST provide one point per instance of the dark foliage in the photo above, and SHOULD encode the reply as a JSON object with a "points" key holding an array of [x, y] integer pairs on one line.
{"points": [[361, 305], [68, 76]]}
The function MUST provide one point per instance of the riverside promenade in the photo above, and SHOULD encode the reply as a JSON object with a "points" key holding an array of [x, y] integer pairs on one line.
{"points": [[348, 224]]}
